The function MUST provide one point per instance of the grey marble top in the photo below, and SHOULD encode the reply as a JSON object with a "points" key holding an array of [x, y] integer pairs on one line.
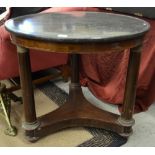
{"points": [[77, 27]]}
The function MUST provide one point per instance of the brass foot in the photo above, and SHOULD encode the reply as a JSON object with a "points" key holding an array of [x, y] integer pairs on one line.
{"points": [[126, 123], [5, 106], [31, 139], [11, 131], [127, 126], [126, 135]]}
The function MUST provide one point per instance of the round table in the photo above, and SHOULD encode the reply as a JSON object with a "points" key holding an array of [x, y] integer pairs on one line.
{"points": [[77, 33]]}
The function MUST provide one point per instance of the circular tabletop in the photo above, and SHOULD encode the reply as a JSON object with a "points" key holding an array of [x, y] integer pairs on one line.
{"points": [[77, 27]]}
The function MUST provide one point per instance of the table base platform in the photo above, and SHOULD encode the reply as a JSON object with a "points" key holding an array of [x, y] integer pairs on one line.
{"points": [[76, 112]]}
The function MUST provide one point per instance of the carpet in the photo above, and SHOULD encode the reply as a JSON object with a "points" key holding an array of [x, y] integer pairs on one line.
{"points": [[49, 97]]}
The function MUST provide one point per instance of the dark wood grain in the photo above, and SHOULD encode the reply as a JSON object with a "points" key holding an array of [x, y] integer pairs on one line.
{"points": [[131, 83], [124, 33], [126, 118], [26, 84], [81, 48]]}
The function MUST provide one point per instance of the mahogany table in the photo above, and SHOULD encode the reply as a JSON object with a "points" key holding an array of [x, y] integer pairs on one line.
{"points": [[77, 33]]}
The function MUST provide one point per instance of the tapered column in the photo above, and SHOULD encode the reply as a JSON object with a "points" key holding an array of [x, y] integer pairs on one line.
{"points": [[75, 68], [75, 91], [74, 71], [126, 118], [31, 122]]}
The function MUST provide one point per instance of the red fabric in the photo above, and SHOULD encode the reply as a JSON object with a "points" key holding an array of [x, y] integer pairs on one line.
{"points": [[104, 74], [65, 9]]}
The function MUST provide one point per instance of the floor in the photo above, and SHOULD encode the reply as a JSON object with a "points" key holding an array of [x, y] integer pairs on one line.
{"points": [[144, 128]]}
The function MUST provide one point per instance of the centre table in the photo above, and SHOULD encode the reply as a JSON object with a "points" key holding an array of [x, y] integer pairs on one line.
{"points": [[77, 33]]}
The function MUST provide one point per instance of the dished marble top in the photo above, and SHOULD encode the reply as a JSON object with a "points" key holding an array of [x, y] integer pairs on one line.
{"points": [[77, 27]]}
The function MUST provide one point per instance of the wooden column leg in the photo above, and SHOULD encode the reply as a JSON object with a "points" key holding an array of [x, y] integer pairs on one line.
{"points": [[31, 122], [75, 68], [126, 118], [74, 87], [74, 72]]}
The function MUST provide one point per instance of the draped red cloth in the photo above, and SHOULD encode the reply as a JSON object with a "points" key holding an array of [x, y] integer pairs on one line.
{"points": [[105, 74]]}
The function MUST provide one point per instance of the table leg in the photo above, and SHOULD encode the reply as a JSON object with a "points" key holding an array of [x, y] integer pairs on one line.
{"points": [[75, 68], [75, 84], [31, 122], [126, 118]]}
